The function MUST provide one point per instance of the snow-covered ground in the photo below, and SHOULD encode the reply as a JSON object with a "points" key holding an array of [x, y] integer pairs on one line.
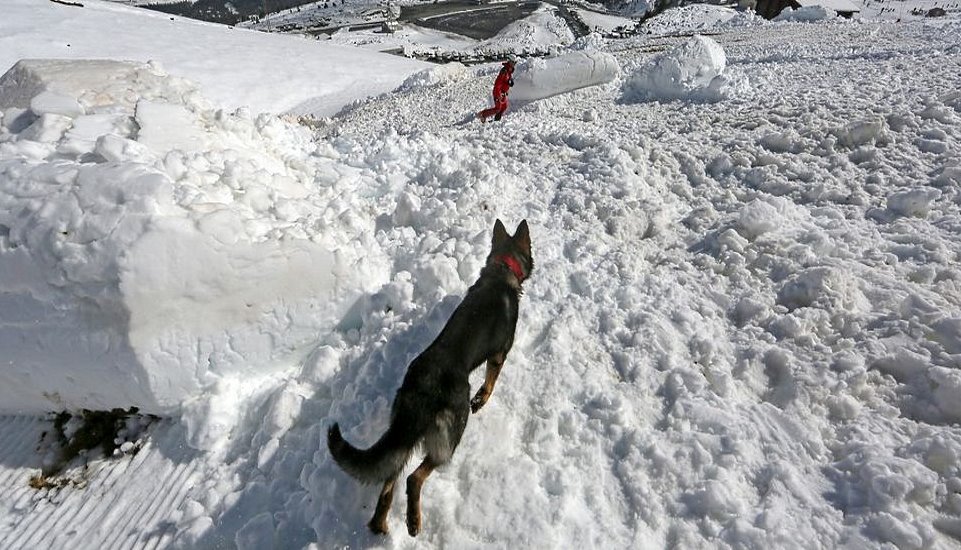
{"points": [[699, 18], [408, 36], [203, 53], [906, 10], [743, 330]]}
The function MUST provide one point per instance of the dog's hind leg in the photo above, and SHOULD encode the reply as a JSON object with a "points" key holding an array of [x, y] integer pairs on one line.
{"points": [[494, 365], [378, 523], [415, 482], [440, 443]]}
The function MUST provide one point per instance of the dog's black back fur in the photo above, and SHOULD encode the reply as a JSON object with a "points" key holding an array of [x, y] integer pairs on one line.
{"points": [[433, 403]]}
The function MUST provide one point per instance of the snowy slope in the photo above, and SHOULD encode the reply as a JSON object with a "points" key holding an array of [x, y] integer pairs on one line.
{"points": [[231, 65], [743, 328]]}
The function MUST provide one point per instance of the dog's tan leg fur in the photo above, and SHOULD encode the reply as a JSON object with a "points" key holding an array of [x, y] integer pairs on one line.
{"points": [[415, 482], [494, 365], [378, 523]]}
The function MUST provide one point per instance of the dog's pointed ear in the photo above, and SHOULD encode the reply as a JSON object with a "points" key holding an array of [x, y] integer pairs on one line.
{"points": [[522, 236], [500, 234]]}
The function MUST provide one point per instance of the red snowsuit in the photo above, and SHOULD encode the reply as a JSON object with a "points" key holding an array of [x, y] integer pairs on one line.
{"points": [[501, 87]]}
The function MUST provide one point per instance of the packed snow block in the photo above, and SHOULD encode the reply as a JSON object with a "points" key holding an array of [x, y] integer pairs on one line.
{"points": [[545, 77], [694, 71], [915, 202], [948, 332], [823, 287], [153, 250], [759, 217], [861, 132]]}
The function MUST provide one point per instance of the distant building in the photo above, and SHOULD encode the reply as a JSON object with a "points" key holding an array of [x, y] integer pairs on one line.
{"points": [[769, 9]]}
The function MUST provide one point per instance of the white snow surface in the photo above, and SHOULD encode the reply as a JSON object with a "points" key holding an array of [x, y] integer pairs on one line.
{"points": [[699, 18], [743, 329], [231, 65], [407, 36]]}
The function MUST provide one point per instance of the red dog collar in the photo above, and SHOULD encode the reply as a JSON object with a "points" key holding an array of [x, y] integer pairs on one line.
{"points": [[512, 264]]}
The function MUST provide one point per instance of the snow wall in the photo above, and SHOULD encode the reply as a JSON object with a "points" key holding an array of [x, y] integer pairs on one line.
{"points": [[545, 77], [133, 273]]}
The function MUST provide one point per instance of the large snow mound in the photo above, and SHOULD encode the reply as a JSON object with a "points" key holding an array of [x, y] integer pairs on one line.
{"points": [[541, 29], [693, 70], [162, 248], [545, 77]]}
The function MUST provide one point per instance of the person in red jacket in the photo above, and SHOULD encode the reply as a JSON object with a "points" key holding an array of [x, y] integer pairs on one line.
{"points": [[505, 79]]}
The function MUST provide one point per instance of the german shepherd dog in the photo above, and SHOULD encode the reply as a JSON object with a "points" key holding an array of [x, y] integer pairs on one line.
{"points": [[431, 407]]}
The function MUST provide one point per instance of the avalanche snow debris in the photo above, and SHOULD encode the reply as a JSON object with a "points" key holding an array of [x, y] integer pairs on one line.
{"points": [[733, 338]]}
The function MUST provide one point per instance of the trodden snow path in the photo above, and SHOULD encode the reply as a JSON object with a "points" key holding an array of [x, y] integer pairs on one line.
{"points": [[742, 330]]}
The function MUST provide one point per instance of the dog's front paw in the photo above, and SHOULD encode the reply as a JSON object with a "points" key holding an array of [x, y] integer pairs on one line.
{"points": [[477, 402], [413, 515], [413, 524], [378, 526]]}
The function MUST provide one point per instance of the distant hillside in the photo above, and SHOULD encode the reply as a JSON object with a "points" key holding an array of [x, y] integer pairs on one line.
{"points": [[229, 12], [232, 12], [323, 14]]}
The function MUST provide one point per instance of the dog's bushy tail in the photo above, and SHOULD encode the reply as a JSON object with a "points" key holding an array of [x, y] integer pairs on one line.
{"points": [[382, 461]]}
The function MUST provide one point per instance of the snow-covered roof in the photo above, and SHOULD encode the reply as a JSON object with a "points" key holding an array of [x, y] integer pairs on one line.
{"points": [[836, 5]]}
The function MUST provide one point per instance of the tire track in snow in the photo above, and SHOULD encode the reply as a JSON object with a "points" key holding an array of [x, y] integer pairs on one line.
{"points": [[125, 515], [16, 465], [15, 447], [155, 482], [128, 532]]}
